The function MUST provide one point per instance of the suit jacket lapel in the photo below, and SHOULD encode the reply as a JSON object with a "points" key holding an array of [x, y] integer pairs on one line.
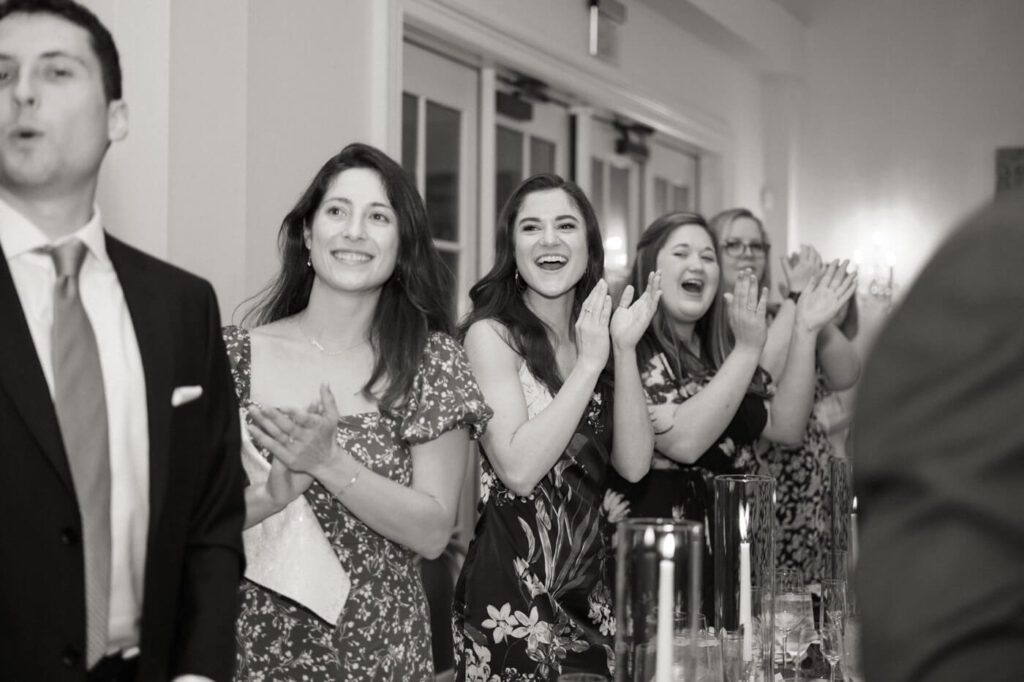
{"points": [[152, 332], [23, 378]]}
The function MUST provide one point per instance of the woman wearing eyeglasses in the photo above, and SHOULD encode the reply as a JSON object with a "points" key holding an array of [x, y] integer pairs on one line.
{"points": [[801, 471], [707, 397]]}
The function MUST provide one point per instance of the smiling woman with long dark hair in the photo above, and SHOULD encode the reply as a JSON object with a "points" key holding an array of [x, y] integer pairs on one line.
{"points": [[355, 327], [533, 599]]}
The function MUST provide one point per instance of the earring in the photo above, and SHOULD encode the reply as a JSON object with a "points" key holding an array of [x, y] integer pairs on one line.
{"points": [[309, 261], [518, 281]]}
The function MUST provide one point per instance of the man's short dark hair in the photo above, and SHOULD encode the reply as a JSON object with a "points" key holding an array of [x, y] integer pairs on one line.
{"points": [[102, 42]]}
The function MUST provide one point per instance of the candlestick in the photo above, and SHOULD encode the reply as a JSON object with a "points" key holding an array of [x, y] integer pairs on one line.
{"points": [[666, 610], [853, 532], [746, 621]]}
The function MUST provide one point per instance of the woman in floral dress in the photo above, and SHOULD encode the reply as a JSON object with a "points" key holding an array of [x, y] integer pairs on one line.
{"points": [[533, 599], [800, 471], [708, 398], [355, 327]]}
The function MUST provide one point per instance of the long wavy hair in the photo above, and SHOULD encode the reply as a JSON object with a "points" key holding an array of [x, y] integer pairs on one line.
{"points": [[414, 301], [660, 337], [499, 294]]}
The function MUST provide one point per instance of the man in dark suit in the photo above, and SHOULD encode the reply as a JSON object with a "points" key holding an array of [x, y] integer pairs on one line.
{"points": [[122, 508], [938, 450]]}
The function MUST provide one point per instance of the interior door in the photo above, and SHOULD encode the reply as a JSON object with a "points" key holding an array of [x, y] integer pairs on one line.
{"points": [[440, 122], [672, 176], [525, 147], [615, 194]]}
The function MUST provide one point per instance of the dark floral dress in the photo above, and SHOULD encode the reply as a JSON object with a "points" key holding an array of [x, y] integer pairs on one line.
{"points": [[801, 482], [383, 632], [533, 600], [682, 491]]}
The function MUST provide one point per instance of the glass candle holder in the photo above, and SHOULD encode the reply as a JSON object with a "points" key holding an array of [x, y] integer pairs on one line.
{"points": [[843, 512], [657, 599], [744, 551]]}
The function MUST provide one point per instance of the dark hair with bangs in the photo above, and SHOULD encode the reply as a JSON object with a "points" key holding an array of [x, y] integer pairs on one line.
{"points": [[499, 294], [660, 337], [414, 302], [99, 37]]}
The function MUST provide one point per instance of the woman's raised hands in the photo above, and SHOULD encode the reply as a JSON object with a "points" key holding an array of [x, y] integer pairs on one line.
{"points": [[631, 318], [825, 295], [747, 312], [304, 440], [592, 328]]}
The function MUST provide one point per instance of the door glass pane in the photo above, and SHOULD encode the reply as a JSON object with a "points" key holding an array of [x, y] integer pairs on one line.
{"points": [[409, 112], [617, 222], [542, 156], [681, 197], [660, 197], [508, 164], [442, 168]]}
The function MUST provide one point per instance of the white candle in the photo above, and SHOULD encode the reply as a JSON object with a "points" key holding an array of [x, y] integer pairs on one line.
{"points": [[745, 614], [853, 532], [666, 610]]}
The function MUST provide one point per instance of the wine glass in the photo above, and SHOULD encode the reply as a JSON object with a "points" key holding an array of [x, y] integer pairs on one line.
{"points": [[800, 638], [792, 609], [832, 646], [833, 602]]}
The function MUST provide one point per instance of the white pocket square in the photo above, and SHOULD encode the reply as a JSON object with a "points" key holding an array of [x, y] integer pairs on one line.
{"points": [[185, 394]]}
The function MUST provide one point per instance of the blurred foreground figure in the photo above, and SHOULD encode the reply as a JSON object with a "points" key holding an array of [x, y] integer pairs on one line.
{"points": [[121, 517], [939, 459]]}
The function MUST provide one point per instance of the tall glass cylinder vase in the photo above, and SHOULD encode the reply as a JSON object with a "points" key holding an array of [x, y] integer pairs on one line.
{"points": [[843, 508], [744, 550], [657, 599]]}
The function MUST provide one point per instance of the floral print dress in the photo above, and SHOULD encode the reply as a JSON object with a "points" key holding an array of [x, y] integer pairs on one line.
{"points": [[681, 491], [533, 600], [383, 632], [801, 483]]}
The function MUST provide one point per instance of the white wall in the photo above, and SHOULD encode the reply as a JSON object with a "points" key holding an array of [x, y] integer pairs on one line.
{"points": [[234, 105], [206, 184], [133, 185], [904, 104]]}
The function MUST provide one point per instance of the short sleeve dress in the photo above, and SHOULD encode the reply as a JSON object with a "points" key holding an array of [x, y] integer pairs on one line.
{"points": [[534, 598], [383, 632], [681, 491]]}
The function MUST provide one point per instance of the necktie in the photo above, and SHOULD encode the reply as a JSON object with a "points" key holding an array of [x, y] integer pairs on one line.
{"points": [[82, 414]]}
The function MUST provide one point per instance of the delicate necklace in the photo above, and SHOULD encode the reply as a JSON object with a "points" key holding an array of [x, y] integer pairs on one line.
{"points": [[320, 347]]}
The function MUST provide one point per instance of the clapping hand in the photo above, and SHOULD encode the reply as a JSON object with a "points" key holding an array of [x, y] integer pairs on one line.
{"points": [[800, 267], [631, 318], [747, 312], [304, 440], [825, 296], [592, 328]]}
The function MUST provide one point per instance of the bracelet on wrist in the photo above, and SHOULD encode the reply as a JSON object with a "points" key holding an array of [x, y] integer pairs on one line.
{"points": [[350, 483]]}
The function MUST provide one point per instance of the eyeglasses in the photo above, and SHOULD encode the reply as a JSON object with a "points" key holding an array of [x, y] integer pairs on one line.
{"points": [[735, 247]]}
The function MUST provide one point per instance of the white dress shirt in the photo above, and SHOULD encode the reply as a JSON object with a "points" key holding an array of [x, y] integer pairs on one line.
{"points": [[124, 383]]}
